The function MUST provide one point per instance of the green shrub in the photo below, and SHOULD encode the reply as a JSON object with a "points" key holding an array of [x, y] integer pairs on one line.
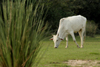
{"points": [[91, 28], [21, 31]]}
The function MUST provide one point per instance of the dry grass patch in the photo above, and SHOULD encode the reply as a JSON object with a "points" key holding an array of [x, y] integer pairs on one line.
{"points": [[83, 63]]}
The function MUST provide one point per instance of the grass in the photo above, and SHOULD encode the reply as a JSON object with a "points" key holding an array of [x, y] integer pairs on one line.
{"points": [[56, 57]]}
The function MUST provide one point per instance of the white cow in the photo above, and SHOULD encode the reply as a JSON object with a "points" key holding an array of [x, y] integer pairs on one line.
{"points": [[70, 25]]}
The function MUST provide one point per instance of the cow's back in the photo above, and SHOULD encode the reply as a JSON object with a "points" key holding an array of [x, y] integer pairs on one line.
{"points": [[74, 23]]}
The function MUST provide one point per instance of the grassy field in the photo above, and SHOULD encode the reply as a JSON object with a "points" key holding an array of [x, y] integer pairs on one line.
{"points": [[56, 57]]}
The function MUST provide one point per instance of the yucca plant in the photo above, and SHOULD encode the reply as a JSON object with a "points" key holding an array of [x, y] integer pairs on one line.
{"points": [[21, 30]]}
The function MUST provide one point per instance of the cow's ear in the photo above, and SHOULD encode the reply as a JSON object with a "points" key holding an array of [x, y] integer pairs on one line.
{"points": [[51, 39]]}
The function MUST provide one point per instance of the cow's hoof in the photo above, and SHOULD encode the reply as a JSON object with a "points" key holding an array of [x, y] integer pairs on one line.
{"points": [[66, 47], [55, 47], [81, 46], [78, 46]]}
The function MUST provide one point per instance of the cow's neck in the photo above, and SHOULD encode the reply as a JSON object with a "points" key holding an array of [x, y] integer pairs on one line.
{"points": [[61, 33]]}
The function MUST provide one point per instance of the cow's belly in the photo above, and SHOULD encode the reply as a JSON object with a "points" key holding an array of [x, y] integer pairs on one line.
{"points": [[77, 30], [77, 27]]}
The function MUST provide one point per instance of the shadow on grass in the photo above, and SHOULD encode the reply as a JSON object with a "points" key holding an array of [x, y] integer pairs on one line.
{"points": [[95, 53]]}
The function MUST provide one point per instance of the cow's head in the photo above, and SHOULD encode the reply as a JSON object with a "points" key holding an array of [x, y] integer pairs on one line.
{"points": [[56, 40]]}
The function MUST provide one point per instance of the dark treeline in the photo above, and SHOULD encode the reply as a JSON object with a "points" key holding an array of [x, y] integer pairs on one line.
{"points": [[58, 9], [64, 8]]}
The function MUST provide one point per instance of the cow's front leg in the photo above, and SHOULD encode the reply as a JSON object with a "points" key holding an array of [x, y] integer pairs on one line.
{"points": [[66, 42], [72, 34]]}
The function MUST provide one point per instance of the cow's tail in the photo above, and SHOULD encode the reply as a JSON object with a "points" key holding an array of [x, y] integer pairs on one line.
{"points": [[84, 34]]}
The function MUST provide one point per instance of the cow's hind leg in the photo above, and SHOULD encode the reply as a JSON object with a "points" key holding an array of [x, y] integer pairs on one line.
{"points": [[72, 34], [81, 37], [66, 42]]}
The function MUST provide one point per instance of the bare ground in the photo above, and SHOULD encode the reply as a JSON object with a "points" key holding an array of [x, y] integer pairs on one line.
{"points": [[83, 63]]}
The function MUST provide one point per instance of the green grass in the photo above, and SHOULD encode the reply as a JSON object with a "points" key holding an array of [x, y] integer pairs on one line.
{"points": [[56, 57]]}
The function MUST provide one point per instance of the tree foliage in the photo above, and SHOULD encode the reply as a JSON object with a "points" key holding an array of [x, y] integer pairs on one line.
{"points": [[64, 8], [58, 9]]}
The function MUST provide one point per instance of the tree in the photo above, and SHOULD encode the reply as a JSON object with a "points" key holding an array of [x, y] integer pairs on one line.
{"points": [[64, 8]]}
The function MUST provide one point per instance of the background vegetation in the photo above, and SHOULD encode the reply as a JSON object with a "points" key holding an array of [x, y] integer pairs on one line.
{"points": [[58, 9], [91, 28], [64, 8]]}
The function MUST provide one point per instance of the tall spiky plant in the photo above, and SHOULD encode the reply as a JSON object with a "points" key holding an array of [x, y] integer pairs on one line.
{"points": [[21, 30]]}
